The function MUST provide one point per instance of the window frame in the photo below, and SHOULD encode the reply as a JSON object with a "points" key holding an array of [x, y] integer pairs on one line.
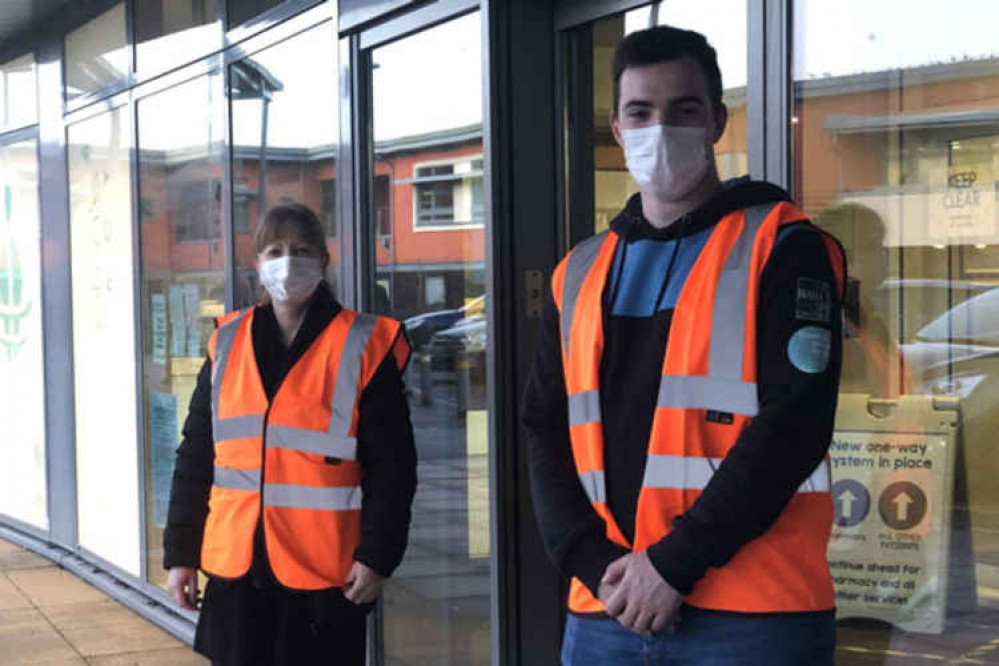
{"points": [[471, 175]]}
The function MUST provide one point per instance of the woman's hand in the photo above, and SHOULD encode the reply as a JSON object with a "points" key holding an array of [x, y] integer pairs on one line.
{"points": [[182, 583], [363, 585]]}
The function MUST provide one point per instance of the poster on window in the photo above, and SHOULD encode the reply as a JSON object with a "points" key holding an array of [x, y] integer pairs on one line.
{"points": [[178, 323], [965, 211], [163, 446], [159, 332], [192, 318], [959, 213]]}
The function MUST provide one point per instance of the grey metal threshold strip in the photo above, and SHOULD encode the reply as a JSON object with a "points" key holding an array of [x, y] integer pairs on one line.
{"points": [[118, 588]]}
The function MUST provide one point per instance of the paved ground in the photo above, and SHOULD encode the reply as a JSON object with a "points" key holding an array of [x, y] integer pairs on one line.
{"points": [[49, 616]]}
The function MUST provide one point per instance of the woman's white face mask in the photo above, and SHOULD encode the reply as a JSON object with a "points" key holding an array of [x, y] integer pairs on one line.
{"points": [[290, 278], [667, 160]]}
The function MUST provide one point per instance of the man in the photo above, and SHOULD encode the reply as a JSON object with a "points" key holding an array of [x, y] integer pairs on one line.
{"points": [[683, 396]]}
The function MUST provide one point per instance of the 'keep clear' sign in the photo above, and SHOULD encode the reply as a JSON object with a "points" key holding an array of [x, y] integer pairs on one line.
{"points": [[892, 500]]}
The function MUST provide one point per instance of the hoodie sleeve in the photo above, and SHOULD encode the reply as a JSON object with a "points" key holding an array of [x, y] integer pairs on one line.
{"points": [[387, 453], [789, 437], [192, 480]]}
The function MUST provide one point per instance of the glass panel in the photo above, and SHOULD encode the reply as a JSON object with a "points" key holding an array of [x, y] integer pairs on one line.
{"points": [[284, 128], [97, 53], [430, 259], [183, 272], [449, 194], [165, 29], [104, 337], [612, 184], [896, 151], [18, 92], [22, 370], [238, 13]]}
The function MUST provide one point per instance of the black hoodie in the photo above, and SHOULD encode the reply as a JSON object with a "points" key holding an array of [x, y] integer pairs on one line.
{"points": [[772, 457]]}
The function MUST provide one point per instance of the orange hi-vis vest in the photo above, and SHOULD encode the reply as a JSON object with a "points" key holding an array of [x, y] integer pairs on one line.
{"points": [[295, 456], [709, 364]]}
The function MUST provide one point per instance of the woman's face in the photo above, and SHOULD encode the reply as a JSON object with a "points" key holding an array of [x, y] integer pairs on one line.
{"points": [[289, 244], [295, 288]]}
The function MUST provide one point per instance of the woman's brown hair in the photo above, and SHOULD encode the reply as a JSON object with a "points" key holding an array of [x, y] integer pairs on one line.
{"points": [[299, 217]]}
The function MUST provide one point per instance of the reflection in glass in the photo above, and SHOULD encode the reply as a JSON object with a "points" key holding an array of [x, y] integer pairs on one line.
{"points": [[896, 151], [165, 29], [97, 53], [183, 262], [430, 271], [238, 13], [18, 92], [22, 370], [612, 183], [284, 128], [104, 337]]}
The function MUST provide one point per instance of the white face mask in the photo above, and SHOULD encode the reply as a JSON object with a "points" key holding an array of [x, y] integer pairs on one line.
{"points": [[290, 278], [666, 160]]}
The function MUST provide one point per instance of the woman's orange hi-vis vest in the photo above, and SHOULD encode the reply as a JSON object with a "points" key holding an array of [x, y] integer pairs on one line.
{"points": [[709, 364], [296, 456]]}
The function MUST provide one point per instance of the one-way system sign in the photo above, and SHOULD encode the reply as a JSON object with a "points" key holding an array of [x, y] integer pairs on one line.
{"points": [[891, 501]]}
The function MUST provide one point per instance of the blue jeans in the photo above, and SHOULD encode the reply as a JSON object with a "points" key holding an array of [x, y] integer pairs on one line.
{"points": [[704, 638]]}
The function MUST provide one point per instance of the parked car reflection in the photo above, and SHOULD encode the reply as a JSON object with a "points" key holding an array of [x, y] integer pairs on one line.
{"points": [[422, 328], [957, 355], [465, 336], [954, 352]]}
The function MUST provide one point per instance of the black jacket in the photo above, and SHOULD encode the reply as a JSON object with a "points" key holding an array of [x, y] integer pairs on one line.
{"points": [[771, 459], [386, 451]]}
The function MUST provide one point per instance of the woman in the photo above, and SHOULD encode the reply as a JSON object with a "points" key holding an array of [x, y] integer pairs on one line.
{"points": [[297, 469]]}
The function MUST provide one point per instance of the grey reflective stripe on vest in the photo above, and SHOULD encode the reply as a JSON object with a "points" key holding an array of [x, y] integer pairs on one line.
{"points": [[723, 388], [687, 473], [238, 427], [236, 479], [595, 485], [580, 262], [223, 429], [311, 441], [584, 408], [728, 322], [717, 393], [322, 498], [336, 440]]}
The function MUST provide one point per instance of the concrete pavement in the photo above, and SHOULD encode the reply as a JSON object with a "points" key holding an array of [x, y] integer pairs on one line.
{"points": [[49, 616]]}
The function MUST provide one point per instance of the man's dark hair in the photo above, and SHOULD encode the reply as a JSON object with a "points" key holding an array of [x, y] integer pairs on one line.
{"points": [[663, 44]]}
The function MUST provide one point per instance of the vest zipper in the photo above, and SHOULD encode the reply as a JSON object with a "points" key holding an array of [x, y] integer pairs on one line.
{"points": [[263, 472]]}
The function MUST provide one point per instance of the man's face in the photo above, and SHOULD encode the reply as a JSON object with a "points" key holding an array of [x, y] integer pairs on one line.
{"points": [[667, 93]]}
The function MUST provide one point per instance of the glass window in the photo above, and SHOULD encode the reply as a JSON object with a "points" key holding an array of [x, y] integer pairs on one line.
{"points": [[18, 92], [895, 131], [104, 337], [284, 128], [97, 53], [429, 257], [449, 194], [238, 13], [22, 370], [183, 272], [611, 182], [166, 29]]}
